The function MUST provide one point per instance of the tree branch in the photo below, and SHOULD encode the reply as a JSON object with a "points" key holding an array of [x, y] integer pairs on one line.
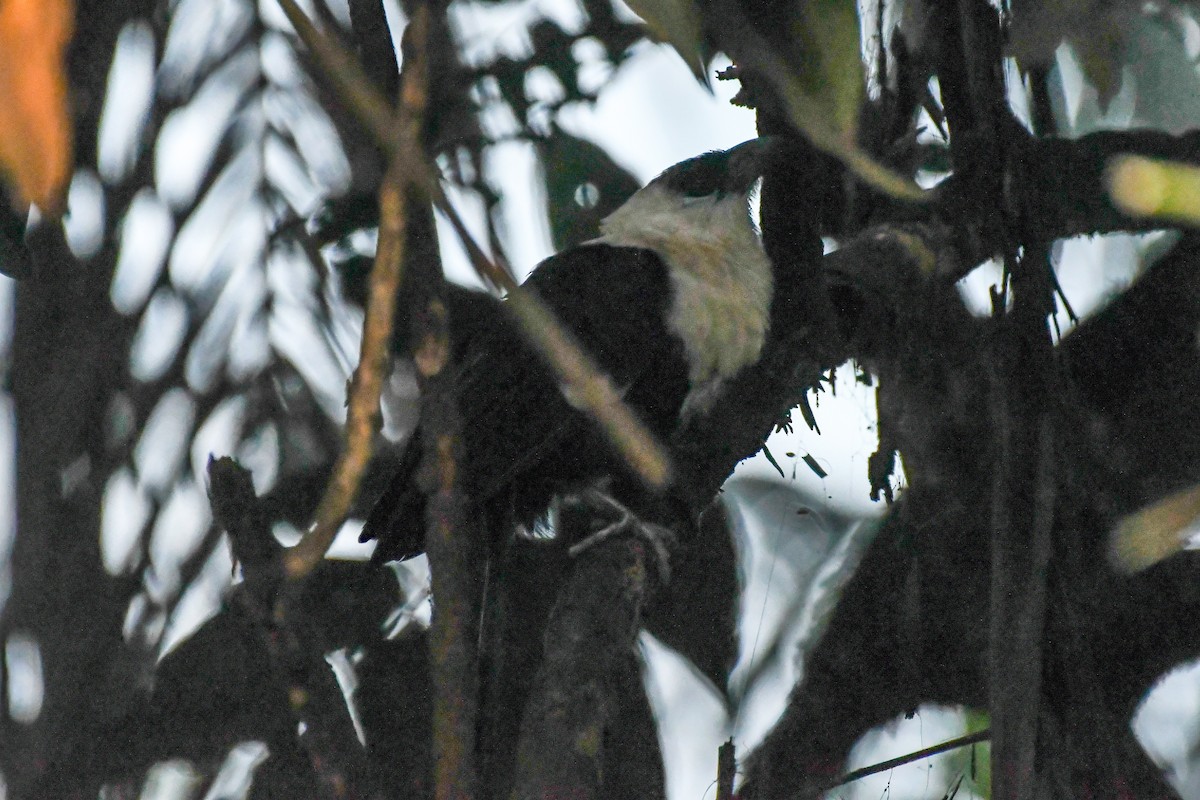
{"points": [[296, 659]]}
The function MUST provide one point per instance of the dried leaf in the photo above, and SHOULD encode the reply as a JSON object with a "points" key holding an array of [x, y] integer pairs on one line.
{"points": [[35, 129], [583, 186], [1040, 26], [1095, 29], [1100, 55], [820, 82], [817, 469]]}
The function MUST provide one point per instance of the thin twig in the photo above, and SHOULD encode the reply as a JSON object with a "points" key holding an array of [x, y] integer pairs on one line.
{"points": [[937, 749], [362, 414]]}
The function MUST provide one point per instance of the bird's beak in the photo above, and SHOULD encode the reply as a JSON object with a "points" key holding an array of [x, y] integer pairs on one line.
{"points": [[749, 161]]}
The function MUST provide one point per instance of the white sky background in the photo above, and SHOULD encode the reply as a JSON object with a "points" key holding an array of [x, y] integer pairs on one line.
{"points": [[651, 115]]}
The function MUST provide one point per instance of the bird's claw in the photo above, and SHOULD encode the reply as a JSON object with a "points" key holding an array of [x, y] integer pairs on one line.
{"points": [[660, 538]]}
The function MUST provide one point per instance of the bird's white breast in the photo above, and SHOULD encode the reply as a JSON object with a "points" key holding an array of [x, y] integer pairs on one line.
{"points": [[720, 275]]}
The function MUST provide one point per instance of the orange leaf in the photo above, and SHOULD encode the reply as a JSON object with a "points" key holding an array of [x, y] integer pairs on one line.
{"points": [[35, 128]]}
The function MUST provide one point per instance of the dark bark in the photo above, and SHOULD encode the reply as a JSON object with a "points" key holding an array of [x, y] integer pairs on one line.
{"points": [[572, 703], [68, 352]]}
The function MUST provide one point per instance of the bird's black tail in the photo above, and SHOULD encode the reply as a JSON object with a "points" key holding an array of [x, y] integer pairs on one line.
{"points": [[398, 518]]}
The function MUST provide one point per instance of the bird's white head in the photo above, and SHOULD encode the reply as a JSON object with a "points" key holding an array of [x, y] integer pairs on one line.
{"points": [[696, 216]]}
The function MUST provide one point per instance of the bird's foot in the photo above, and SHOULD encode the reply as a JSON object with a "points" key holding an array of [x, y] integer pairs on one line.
{"points": [[660, 538]]}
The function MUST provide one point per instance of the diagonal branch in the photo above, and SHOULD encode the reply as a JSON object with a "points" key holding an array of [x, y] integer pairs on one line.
{"points": [[917, 755], [362, 417]]}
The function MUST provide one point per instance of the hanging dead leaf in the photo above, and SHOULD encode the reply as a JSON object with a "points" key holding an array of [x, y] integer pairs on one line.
{"points": [[1096, 30], [831, 70], [1100, 56], [35, 129], [819, 79], [676, 22]]}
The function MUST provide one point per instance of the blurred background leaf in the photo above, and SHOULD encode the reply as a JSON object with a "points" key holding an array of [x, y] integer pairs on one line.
{"points": [[35, 129]]}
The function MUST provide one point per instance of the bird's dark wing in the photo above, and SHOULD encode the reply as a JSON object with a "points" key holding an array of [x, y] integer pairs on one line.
{"points": [[523, 440], [521, 431]]}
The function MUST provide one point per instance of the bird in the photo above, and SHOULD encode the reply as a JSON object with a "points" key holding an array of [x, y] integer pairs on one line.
{"points": [[671, 300]]}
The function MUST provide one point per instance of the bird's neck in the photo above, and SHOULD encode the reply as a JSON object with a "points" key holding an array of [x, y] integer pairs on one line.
{"points": [[721, 277]]}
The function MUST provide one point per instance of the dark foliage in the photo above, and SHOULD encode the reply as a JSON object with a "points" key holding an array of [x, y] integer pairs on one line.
{"points": [[988, 584]]}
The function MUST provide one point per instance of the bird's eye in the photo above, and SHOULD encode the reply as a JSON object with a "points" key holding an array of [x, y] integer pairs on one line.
{"points": [[698, 199]]}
